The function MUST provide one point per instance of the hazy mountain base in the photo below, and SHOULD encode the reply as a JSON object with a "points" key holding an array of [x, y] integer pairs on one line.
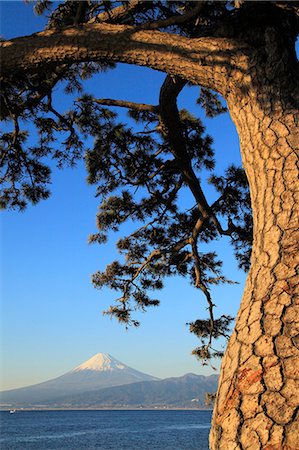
{"points": [[99, 372], [186, 392]]}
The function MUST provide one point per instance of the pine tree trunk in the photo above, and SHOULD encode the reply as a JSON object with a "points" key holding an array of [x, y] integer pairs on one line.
{"points": [[258, 395]]}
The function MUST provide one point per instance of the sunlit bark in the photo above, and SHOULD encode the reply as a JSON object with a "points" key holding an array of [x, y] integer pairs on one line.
{"points": [[257, 402], [207, 61]]}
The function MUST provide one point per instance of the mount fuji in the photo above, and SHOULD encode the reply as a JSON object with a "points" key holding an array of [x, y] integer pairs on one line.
{"points": [[100, 371]]}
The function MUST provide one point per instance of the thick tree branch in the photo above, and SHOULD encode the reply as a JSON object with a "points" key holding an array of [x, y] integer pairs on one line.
{"points": [[171, 121], [210, 62]]}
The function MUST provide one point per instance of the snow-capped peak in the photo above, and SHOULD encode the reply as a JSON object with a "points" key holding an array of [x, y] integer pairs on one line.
{"points": [[100, 362]]}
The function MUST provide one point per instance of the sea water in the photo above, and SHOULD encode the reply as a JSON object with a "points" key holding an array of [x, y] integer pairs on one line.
{"points": [[115, 430]]}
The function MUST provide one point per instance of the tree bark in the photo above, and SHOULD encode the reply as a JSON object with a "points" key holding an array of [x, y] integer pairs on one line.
{"points": [[257, 401], [258, 394], [208, 61]]}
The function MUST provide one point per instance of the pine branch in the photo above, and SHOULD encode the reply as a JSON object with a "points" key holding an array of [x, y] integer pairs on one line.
{"points": [[126, 104], [35, 94], [199, 60], [120, 13], [174, 20], [170, 118]]}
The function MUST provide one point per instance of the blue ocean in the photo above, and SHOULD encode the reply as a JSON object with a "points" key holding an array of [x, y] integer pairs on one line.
{"points": [[115, 430]]}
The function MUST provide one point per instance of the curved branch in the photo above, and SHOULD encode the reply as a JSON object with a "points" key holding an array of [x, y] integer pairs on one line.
{"points": [[171, 122], [206, 61]]}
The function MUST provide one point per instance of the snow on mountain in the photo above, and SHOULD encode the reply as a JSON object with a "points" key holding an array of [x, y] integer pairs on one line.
{"points": [[100, 371], [101, 362]]}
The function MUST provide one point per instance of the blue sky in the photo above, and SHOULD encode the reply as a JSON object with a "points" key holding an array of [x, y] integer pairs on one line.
{"points": [[51, 315]]}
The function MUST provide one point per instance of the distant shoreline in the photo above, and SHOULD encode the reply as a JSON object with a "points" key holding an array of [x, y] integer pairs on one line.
{"points": [[136, 408]]}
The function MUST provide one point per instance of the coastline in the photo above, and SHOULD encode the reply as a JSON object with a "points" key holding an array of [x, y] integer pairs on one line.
{"points": [[117, 408]]}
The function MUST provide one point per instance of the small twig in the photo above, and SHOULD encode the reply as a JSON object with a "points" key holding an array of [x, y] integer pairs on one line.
{"points": [[66, 122]]}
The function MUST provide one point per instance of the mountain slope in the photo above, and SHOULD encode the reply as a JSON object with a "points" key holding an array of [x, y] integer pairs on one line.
{"points": [[100, 371], [186, 391]]}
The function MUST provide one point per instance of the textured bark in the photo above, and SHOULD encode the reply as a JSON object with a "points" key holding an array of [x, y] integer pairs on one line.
{"points": [[257, 401], [258, 395], [207, 61]]}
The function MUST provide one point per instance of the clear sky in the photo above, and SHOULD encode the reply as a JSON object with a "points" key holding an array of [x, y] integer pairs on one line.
{"points": [[51, 314]]}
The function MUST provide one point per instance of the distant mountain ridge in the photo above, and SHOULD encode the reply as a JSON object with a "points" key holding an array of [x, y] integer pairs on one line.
{"points": [[188, 391], [100, 371], [104, 382]]}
